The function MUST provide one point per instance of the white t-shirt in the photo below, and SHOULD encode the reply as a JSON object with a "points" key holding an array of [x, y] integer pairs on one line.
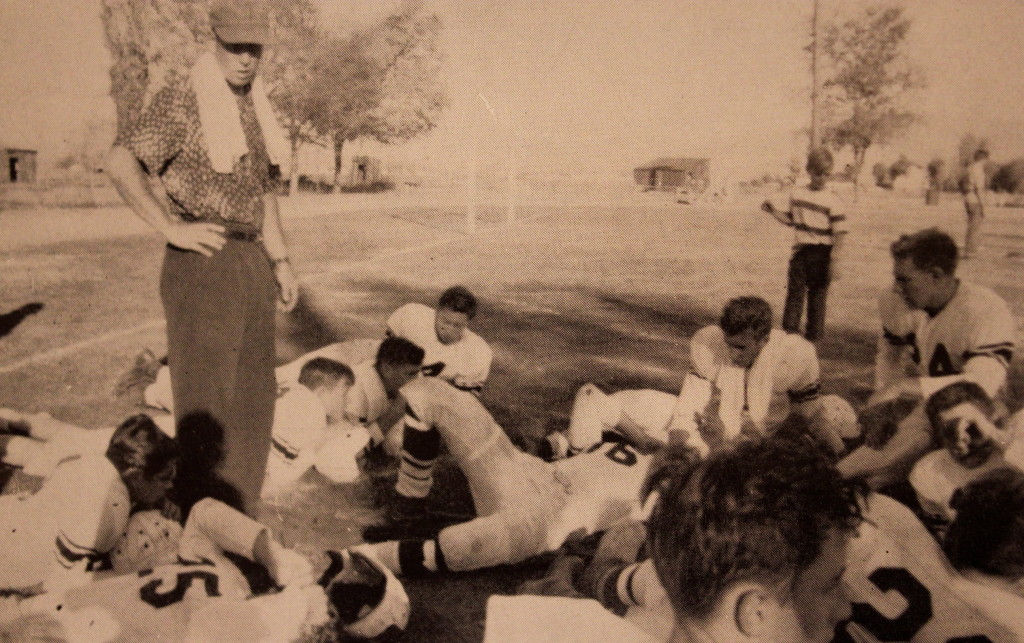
{"points": [[786, 371], [465, 363]]}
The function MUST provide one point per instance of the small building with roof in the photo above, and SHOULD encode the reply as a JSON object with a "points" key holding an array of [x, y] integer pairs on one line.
{"points": [[674, 174], [18, 165]]}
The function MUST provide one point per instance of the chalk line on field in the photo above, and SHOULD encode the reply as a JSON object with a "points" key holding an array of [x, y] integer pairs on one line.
{"points": [[151, 324], [58, 353]]}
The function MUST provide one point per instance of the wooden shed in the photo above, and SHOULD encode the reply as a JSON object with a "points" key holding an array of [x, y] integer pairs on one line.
{"points": [[365, 170], [671, 174], [19, 165]]}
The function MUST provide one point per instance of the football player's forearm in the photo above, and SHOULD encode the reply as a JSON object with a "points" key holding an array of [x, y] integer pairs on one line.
{"points": [[879, 465]]}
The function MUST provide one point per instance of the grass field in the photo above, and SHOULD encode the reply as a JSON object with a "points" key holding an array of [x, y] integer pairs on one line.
{"points": [[570, 293]]}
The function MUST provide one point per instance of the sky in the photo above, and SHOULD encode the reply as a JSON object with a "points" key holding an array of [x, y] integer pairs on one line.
{"points": [[594, 87]]}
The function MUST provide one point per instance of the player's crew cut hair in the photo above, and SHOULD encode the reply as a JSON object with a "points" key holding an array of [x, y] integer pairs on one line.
{"points": [[760, 512], [398, 350], [746, 313], [957, 393], [928, 248], [460, 300], [324, 371], [988, 531], [138, 444]]}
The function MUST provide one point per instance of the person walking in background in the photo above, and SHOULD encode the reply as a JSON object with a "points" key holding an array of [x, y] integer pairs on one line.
{"points": [[213, 141], [973, 187], [816, 214]]}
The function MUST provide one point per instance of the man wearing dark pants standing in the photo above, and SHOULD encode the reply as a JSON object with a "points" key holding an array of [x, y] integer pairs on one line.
{"points": [[213, 141]]}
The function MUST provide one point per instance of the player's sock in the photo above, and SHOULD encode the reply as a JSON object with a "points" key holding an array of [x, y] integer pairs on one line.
{"points": [[614, 589], [420, 557]]}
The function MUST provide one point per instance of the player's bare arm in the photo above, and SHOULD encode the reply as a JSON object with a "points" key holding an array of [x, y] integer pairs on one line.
{"points": [[891, 463], [133, 185], [782, 216], [277, 251]]}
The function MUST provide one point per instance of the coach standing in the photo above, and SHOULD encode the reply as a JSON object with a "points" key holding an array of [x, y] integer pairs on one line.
{"points": [[213, 140]]}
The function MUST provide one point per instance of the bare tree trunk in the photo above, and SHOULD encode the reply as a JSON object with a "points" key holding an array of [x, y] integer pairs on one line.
{"points": [[339, 143], [293, 175], [858, 164]]}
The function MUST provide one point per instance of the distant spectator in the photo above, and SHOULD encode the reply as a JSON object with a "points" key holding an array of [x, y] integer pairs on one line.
{"points": [[816, 215], [973, 188]]}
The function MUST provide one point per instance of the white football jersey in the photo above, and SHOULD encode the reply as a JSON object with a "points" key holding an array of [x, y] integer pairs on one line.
{"points": [[555, 619], [904, 589], [786, 371], [367, 400], [300, 427], [65, 527], [177, 603], [466, 363], [975, 323]]}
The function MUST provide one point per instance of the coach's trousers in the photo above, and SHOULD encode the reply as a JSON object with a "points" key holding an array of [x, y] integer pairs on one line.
{"points": [[808, 276], [220, 349]]}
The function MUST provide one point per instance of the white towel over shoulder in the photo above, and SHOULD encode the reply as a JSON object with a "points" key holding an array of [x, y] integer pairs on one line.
{"points": [[220, 122]]}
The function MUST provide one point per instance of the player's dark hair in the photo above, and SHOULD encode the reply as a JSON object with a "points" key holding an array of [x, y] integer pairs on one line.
{"points": [[957, 393], [758, 512], [746, 313], [138, 444], [324, 371], [819, 161], [988, 532], [981, 154], [400, 351], [928, 248], [460, 300]]}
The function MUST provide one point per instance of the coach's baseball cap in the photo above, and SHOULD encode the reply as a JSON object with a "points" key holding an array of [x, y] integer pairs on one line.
{"points": [[241, 21]]}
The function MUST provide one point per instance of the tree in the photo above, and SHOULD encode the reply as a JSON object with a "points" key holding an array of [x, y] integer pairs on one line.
{"points": [[294, 75], [869, 78], [392, 74], [152, 43]]}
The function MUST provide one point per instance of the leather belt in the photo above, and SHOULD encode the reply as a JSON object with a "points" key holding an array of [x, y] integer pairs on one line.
{"points": [[242, 235]]}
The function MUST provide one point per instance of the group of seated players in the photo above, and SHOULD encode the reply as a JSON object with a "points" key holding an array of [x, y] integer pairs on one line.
{"points": [[749, 507]]}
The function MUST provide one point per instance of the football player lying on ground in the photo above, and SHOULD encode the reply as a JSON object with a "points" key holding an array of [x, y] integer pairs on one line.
{"points": [[177, 584], [63, 530], [525, 506], [38, 442], [939, 329], [453, 352], [325, 412], [976, 437], [902, 586], [750, 544], [761, 375]]}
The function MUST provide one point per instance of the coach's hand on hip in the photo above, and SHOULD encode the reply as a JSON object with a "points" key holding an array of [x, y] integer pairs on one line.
{"points": [[287, 286], [204, 238]]}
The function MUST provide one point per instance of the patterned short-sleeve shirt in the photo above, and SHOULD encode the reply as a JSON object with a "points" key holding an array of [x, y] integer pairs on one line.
{"points": [[168, 140]]}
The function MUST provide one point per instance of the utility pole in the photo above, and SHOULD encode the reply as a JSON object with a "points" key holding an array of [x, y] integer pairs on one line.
{"points": [[814, 77]]}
